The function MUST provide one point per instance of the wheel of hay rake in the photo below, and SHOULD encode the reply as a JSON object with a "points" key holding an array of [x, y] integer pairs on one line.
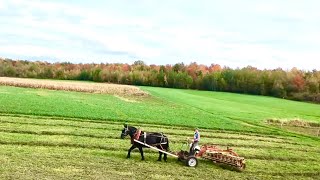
{"points": [[241, 167], [192, 161], [224, 158], [219, 157], [235, 162]]}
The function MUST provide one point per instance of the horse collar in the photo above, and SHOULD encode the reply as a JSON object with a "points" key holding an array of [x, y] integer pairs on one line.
{"points": [[136, 136]]}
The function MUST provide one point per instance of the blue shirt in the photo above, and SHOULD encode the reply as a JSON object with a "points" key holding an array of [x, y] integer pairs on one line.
{"points": [[196, 137]]}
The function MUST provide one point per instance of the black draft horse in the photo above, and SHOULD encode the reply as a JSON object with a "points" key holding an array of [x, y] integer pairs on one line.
{"points": [[151, 138]]}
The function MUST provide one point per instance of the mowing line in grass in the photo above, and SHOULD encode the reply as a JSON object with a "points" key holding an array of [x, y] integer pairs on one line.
{"points": [[279, 158], [56, 133], [35, 139], [74, 158], [173, 140], [147, 125], [116, 132], [58, 121], [59, 125], [205, 138]]}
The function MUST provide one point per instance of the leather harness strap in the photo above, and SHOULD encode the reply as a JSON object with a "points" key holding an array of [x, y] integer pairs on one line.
{"points": [[137, 135]]}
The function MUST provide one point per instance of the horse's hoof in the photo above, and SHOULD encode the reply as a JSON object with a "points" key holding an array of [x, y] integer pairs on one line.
{"points": [[142, 159], [159, 160], [128, 157]]}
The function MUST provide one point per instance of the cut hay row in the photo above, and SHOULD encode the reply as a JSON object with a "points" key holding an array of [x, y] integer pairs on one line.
{"points": [[123, 145], [122, 150], [31, 117], [58, 125], [173, 139], [61, 144], [103, 88], [69, 151], [62, 126], [59, 140], [91, 147], [282, 168], [100, 137], [297, 125], [112, 125], [296, 156], [96, 129], [68, 163], [294, 122], [45, 132], [101, 132], [112, 131]]}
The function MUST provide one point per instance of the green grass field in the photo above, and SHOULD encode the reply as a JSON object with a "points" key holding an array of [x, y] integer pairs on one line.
{"points": [[47, 134]]}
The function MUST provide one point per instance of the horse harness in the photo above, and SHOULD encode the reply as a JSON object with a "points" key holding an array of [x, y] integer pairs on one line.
{"points": [[137, 136]]}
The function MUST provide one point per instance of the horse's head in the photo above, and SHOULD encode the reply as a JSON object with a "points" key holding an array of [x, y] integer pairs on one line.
{"points": [[127, 130]]}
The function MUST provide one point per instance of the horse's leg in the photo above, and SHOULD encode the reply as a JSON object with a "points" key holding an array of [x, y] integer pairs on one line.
{"points": [[141, 152], [129, 151], [165, 157], [160, 156]]}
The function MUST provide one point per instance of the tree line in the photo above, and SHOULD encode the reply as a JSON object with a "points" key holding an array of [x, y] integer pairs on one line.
{"points": [[292, 84]]}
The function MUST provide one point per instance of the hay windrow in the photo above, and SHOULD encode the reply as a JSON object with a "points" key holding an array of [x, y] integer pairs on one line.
{"points": [[101, 88], [293, 122], [297, 126]]}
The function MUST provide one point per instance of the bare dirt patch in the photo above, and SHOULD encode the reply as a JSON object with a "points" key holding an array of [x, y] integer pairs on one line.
{"points": [[101, 88]]}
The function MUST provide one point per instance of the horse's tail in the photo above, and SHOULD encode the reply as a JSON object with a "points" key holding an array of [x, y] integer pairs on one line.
{"points": [[168, 148]]}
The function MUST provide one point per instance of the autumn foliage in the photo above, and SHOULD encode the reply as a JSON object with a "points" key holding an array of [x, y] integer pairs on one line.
{"points": [[291, 84]]}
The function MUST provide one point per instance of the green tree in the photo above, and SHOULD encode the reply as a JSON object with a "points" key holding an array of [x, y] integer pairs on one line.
{"points": [[97, 75]]}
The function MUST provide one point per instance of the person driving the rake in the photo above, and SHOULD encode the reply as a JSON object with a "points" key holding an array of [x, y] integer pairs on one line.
{"points": [[196, 139]]}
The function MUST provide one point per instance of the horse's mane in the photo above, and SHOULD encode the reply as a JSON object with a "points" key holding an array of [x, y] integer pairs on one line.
{"points": [[132, 128]]}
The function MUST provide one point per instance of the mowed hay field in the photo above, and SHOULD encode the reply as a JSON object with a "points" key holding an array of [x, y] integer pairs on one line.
{"points": [[50, 134]]}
